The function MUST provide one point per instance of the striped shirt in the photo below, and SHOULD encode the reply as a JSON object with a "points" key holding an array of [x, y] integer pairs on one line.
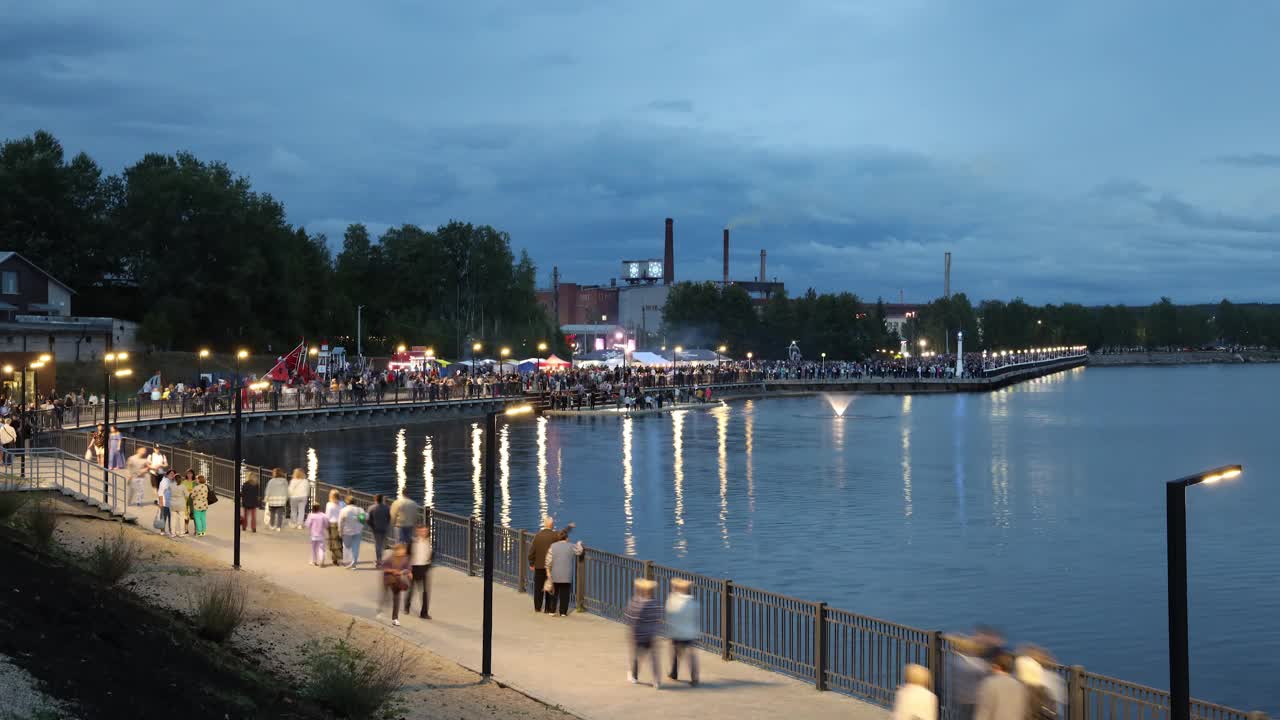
{"points": [[644, 615]]}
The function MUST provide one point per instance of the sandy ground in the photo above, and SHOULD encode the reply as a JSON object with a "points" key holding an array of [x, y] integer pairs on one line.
{"points": [[281, 621]]}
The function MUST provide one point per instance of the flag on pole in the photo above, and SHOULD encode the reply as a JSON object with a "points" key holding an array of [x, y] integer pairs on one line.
{"points": [[151, 385], [288, 365]]}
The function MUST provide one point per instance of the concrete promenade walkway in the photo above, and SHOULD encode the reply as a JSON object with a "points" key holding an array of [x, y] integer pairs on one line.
{"points": [[578, 663]]}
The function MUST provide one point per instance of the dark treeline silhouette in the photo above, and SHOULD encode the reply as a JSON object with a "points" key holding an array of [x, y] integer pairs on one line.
{"points": [[192, 251], [844, 327]]}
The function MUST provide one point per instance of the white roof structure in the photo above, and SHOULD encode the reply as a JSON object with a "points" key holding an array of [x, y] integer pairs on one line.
{"points": [[648, 358]]}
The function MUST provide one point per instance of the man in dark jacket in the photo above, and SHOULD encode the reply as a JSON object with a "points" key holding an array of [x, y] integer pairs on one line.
{"points": [[538, 564], [379, 522]]}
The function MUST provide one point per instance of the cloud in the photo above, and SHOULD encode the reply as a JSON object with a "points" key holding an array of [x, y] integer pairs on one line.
{"points": [[1250, 160]]}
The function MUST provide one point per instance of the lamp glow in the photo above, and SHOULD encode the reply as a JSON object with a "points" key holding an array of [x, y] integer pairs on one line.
{"points": [[242, 354], [204, 353], [124, 372]]}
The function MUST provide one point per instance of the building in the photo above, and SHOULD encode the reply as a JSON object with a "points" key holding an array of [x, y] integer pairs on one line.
{"points": [[640, 308], [25, 289], [897, 314], [35, 317], [580, 304]]}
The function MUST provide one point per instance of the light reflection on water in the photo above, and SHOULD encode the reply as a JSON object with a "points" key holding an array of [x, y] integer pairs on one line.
{"points": [[1037, 507]]}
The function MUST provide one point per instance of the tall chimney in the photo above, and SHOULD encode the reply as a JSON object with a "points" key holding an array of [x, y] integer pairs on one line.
{"points": [[762, 275], [946, 278], [726, 256], [669, 256]]}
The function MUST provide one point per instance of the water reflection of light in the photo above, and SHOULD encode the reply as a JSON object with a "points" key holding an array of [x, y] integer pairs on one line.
{"points": [[313, 471], [959, 426], [402, 461], [477, 441], [907, 504], [629, 537], [542, 467], [504, 461], [677, 448], [749, 432], [428, 474], [722, 458]]}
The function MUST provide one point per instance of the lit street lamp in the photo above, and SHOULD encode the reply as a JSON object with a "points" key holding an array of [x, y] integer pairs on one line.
{"points": [[108, 397], [824, 366], [200, 356], [239, 457], [675, 358], [1175, 499], [490, 473]]}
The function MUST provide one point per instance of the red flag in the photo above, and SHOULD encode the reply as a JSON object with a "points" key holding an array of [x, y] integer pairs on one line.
{"points": [[287, 366]]}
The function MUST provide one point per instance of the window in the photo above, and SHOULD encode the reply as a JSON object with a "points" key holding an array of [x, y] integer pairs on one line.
{"points": [[9, 282]]}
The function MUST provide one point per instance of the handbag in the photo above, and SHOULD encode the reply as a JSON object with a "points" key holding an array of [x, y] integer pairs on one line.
{"points": [[158, 522], [548, 586], [213, 496]]}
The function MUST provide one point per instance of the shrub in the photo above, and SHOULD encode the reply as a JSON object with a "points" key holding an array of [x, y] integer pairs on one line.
{"points": [[350, 681], [11, 502], [219, 609], [42, 520], [114, 557]]}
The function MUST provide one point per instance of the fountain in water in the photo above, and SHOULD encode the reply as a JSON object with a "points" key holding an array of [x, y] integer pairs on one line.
{"points": [[839, 402]]}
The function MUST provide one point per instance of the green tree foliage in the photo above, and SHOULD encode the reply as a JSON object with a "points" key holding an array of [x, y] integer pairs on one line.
{"points": [[192, 251]]}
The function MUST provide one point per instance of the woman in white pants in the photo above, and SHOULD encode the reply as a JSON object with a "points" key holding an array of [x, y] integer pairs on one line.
{"points": [[299, 493]]}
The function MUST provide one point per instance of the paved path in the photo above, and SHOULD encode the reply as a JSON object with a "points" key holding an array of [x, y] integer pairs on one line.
{"points": [[577, 663]]}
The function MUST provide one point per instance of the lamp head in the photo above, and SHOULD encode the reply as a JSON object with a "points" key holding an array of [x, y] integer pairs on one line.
{"points": [[401, 348], [721, 349], [1209, 477], [204, 352], [124, 372], [8, 369], [313, 351], [109, 357], [504, 352], [476, 347], [242, 354], [37, 365], [46, 357], [542, 347], [679, 349]]}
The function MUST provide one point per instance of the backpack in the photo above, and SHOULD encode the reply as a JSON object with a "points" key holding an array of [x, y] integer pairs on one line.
{"points": [[1040, 706]]}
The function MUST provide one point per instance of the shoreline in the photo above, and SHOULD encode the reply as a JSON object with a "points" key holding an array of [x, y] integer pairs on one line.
{"points": [[1178, 359]]}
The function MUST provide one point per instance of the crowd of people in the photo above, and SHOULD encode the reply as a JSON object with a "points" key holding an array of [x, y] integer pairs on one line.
{"points": [[987, 681]]}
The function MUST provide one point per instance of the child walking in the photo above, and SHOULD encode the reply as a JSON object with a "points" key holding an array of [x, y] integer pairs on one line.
{"points": [[318, 529]]}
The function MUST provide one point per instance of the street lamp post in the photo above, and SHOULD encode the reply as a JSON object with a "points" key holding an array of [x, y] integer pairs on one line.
{"points": [[490, 472], [359, 336], [1176, 539], [720, 351], [200, 356], [239, 458], [824, 366], [675, 358]]}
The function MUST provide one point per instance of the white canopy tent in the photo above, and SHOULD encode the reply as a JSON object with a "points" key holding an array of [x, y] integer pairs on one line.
{"points": [[651, 359]]}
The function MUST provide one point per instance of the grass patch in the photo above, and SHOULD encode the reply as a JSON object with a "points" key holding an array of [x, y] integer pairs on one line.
{"points": [[350, 681], [11, 501], [219, 609], [42, 520], [114, 557]]}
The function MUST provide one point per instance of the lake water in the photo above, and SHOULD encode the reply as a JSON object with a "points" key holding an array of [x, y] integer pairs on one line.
{"points": [[1038, 508]]}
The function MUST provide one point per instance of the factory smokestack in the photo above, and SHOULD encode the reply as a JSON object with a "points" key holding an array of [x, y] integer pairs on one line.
{"points": [[762, 275], [726, 256], [946, 278], [669, 255]]}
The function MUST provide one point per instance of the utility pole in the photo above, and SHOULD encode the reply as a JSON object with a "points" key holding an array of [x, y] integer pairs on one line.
{"points": [[359, 337], [555, 296]]}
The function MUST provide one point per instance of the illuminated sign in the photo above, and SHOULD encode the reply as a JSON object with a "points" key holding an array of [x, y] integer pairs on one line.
{"points": [[641, 270]]}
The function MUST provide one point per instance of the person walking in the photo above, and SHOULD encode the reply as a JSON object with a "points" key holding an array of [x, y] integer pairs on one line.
{"points": [[682, 627], [405, 515], [560, 566], [334, 535], [182, 497], [966, 668], [200, 504], [164, 498], [317, 524], [159, 465], [277, 497], [351, 523], [136, 468], [250, 500], [378, 518], [1041, 704], [1000, 696], [914, 700], [643, 616], [396, 572], [538, 563], [115, 449], [299, 492], [420, 566]]}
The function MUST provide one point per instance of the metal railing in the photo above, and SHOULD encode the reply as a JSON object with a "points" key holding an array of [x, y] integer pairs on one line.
{"points": [[834, 649], [47, 468]]}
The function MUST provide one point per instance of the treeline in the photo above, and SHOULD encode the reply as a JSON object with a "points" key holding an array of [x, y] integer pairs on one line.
{"points": [[188, 248], [843, 326]]}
